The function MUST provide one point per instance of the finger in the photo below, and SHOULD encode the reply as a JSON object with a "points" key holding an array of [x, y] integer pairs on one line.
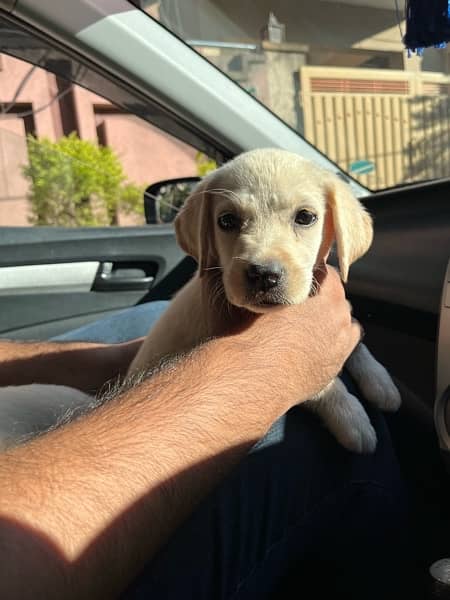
{"points": [[346, 313], [363, 333], [333, 272], [320, 272], [333, 280], [356, 333]]}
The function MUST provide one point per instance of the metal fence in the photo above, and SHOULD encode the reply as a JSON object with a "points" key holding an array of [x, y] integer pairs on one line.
{"points": [[384, 127]]}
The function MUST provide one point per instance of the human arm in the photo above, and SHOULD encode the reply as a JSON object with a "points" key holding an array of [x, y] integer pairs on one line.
{"points": [[82, 365], [83, 508]]}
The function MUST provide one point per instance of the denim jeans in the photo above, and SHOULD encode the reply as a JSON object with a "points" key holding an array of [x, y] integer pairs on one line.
{"points": [[299, 512], [124, 325]]}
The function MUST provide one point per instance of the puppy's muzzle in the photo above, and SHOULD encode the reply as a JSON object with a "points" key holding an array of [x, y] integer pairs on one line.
{"points": [[264, 277]]}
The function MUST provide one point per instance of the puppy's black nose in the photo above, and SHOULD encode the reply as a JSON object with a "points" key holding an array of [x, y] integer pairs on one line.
{"points": [[264, 277]]}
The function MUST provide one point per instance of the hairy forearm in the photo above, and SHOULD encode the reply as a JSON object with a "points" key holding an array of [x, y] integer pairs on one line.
{"points": [[85, 366], [84, 507]]}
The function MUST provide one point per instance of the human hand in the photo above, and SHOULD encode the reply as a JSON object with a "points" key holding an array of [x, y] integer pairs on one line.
{"points": [[123, 353], [298, 350]]}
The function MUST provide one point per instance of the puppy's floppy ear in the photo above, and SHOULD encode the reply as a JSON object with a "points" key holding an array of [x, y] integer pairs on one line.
{"points": [[351, 224], [194, 227]]}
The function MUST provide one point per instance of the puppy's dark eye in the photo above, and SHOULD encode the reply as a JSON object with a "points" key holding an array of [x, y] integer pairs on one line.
{"points": [[228, 222], [305, 217]]}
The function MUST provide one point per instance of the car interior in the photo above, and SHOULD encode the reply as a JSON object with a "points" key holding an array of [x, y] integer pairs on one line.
{"points": [[56, 278]]}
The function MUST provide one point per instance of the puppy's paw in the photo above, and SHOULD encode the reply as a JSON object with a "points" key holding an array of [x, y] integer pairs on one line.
{"points": [[378, 388], [353, 430], [373, 380], [345, 418]]}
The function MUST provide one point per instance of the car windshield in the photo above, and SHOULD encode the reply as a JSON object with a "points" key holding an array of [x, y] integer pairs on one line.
{"points": [[335, 72]]}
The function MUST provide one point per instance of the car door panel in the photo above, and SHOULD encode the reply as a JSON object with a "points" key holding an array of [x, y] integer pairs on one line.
{"points": [[30, 278], [57, 279], [396, 288], [409, 254]]}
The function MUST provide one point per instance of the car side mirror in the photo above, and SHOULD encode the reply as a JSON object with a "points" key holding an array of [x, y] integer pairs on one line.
{"points": [[163, 200]]}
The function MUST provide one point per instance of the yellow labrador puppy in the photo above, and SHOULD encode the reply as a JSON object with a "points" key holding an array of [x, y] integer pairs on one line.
{"points": [[258, 227]]}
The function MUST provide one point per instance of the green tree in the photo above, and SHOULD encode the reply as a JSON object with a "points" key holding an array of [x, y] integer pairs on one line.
{"points": [[204, 164], [75, 183]]}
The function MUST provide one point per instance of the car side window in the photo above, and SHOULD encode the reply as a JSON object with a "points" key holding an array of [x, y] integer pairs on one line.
{"points": [[71, 158]]}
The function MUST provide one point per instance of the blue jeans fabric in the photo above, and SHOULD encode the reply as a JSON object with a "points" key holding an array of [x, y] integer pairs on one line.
{"points": [[297, 499], [298, 504], [124, 325]]}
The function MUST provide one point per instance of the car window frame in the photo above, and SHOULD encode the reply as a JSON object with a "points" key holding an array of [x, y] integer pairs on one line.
{"points": [[236, 121]]}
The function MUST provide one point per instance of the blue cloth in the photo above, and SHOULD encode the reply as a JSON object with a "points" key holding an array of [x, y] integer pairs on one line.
{"points": [[298, 505], [124, 325], [298, 512], [427, 24]]}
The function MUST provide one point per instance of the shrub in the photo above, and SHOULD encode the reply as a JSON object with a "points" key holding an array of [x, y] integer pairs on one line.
{"points": [[75, 183]]}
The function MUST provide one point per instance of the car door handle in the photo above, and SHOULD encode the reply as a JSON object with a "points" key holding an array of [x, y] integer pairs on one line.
{"points": [[114, 277]]}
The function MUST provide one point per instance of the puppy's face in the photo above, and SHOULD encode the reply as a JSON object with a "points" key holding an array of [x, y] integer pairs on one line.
{"points": [[265, 220], [267, 238]]}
